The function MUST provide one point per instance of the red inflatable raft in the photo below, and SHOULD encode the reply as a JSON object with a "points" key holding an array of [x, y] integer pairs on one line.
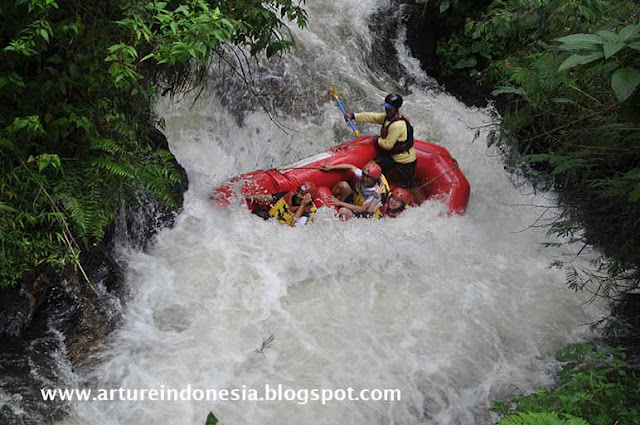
{"points": [[437, 173]]}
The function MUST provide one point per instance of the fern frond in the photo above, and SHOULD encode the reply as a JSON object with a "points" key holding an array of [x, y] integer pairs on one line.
{"points": [[107, 145], [80, 215], [543, 418], [121, 170]]}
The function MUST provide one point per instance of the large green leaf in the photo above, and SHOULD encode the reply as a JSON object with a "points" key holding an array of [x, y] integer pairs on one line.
{"points": [[466, 63], [630, 32], [508, 90], [589, 38], [609, 36], [624, 81], [575, 60], [581, 45], [612, 47], [635, 45]]}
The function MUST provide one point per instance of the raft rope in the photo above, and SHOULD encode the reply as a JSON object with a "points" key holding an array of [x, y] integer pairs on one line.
{"points": [[428, 182], [308, 167], [425, 184], [455, 167]]}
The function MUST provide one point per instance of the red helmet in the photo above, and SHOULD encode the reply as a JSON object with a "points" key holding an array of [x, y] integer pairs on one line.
{"points": [[310, 188], [372, 169], [402, 194]]}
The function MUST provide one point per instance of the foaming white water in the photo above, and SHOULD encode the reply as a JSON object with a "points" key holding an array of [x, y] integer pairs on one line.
{"points": [[454, 311]]}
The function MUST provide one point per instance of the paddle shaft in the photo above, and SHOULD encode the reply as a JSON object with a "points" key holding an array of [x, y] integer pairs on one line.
{"points": [[353, 127], [351, 124]]}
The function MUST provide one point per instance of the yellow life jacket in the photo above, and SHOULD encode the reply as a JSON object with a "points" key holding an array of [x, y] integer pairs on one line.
{"points": [[282, 212], [377, 214], [358, 197]]}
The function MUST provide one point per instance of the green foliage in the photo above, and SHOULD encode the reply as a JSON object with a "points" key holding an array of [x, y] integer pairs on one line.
{"points": [[443, 5], [486, 47], [541, 419], [605, 44], [77, 81], [594, 386], [568, 73], [211, 419], [624, 82]]}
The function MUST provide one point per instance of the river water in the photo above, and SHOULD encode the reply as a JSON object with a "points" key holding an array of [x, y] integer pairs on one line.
{"points": [[453, 311]]}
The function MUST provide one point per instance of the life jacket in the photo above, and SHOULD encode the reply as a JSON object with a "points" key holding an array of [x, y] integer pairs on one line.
{"points": [[399, 147], [360, 192], [284, 212]]}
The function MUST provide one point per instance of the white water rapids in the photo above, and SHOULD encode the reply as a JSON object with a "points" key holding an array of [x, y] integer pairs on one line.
{"points": [[453, 311]]}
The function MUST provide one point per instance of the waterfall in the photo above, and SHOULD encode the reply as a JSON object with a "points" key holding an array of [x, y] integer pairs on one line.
{"points": [[453, 311]]}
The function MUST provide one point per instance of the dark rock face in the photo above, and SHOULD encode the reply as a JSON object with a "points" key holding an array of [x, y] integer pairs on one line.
{"points": [[15, 311], [426, 27], [52, 323], [423, 32]]}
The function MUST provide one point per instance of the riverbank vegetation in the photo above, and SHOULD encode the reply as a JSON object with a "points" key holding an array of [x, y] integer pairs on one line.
{"points": [[77, 83], [595, 386], [566, 77]]}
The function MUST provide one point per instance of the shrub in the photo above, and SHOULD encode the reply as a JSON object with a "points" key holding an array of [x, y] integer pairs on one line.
{"points": [[77, 80]]}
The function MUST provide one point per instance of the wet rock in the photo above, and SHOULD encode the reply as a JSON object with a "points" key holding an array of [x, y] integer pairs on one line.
{"points": [[19, 304], [52, 323], [15, 311], [426, 27]]}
